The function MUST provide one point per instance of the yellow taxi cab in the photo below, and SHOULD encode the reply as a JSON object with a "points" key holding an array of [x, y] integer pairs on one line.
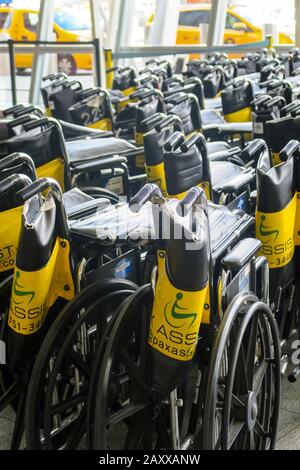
{"points": [[21, 25], [238, 30]]}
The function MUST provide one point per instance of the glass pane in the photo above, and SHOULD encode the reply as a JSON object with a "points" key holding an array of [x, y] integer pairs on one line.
{"points": [[250, 20]]}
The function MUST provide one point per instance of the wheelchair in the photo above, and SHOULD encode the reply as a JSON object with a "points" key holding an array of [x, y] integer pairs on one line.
{"points": [[169, 372], [277, 226], [80, 162], [67, 258]]}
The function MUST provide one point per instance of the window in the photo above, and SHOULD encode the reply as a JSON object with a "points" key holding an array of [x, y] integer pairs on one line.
{"points": [[5, 20], [194, 18], [70, 23], [31, 21], [231, 20]]}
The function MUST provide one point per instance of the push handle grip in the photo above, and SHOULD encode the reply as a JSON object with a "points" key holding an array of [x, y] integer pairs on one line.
{"points": [[278, 101], [177, 98], [170, 80], [90, 92], [194, 197], [29, 109], [260, 101], [174, 141], [36, 123], [20, 121], [167, 121], [138, 93], [11, 181], [13, 109], [152, 121], [143, 196], [38, 187], [71, 83], [194, 139], [290, 107], [292, 149], [255, 148], [54, 76]]}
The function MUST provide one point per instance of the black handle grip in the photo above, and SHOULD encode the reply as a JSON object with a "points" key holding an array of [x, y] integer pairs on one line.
{"points": [[143, 196], [167, 121], [152, 121], [194, 139], [170, 80], [261, 100], [177, 98], [138, 93], [174, 141], [11, 181], [255, 148], [292, 149], [37, 123], [194, 197], [90, 92], [278, 101], [72, 83], [38, 187], [13, 109], [290, 107], [54, 76], [20, 121]]}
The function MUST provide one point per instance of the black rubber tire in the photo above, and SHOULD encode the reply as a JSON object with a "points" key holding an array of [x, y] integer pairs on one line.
{"points": [[241, 407], [67, 318]]}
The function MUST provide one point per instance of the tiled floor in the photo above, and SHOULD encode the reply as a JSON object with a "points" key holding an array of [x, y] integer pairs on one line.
{"points": [[289, 427]]}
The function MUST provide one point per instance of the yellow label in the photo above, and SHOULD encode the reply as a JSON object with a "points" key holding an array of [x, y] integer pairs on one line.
{"points": [[10, 224], [139, 139], [54, 169], [33, 293], [48, 112], [297, 221], [140, 161], [103, 124], [156, 175], [276, 159], [176, 318], [243, 115], [276, 232]]}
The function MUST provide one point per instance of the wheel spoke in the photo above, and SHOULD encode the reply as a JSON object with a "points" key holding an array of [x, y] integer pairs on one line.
{"points": [[250, 342], [259, 431], [132, 369], [125, 412], [71, 402], [234, 430], [259, 376], [79, 363]]}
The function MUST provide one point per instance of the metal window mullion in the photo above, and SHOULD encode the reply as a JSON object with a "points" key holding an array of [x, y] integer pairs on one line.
{"points": [[45, 28]]}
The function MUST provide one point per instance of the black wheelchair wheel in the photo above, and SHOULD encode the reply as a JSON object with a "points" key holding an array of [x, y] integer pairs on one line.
{"points": [[55, 408], [125, 416], [123, 411], [243, 388], [98, 193]]}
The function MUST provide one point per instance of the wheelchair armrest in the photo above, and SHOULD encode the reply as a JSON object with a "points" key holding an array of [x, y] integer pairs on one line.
{"points": [[235, 128], [241, 254], [239, 182], [100, 163]]}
